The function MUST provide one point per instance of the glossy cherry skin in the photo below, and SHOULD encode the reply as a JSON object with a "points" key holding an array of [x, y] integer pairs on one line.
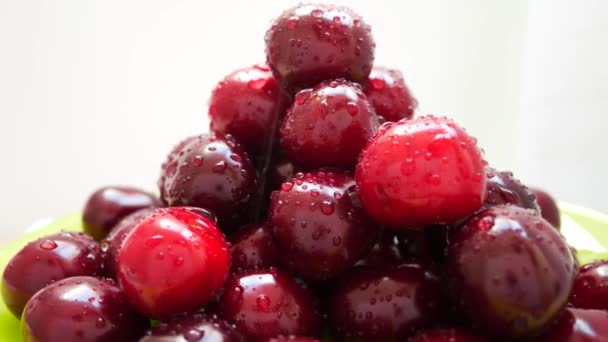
{"points": [[267, 303], [591, 287], [389, 95], [579, 325], [504, 188], [173, 261], [422, 171], [448, 335], [510, 271], [328, 125], [246, 105], [107, 206], [46, 260], [212, 172], [253, 248], [195, 327], [318, 224], [81, 309], [384, 303], [310, 43], [548, 207]]}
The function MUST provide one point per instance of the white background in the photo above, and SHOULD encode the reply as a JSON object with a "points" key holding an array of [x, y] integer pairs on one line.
{"points": [[98, 92]]}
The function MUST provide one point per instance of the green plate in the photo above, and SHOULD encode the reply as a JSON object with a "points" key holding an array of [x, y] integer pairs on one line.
{"points": [[585, 229]]}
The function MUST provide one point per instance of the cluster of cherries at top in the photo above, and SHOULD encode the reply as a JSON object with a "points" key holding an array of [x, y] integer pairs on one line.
{"points": [[317, 208]]}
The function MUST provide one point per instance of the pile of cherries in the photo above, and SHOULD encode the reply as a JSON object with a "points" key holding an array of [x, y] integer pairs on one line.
{"points": [[317, 209]]}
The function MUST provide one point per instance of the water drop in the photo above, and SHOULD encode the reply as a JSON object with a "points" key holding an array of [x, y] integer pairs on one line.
{"points": [[197, 161], [316, 13], [287, 186], [48, 245], [263, 302], [194, 335], [257, 84], [219, 167], [337, 241], [352, 108], [292, 23], [303, 96], [153, 241], [327, 207]]}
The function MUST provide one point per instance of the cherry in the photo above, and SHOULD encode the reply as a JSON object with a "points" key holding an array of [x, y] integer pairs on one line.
{"points": [[422, 171], [265, 304], [213, 172], [46, 260], [503, 188], [81, 309], [448, 335], [107, 206], [591, 287], [195, 327], [328, 125], [310, 43], [548, 207], [253, 247], [389, 95], [318, 224], [511, 272], [384, 303], [578, 325], [246, 105], [173, 261]]}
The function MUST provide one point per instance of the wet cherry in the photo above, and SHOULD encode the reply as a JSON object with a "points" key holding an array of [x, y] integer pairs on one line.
{"points": [[578, 325], [253, 247], [591, 287], [389, 95]]}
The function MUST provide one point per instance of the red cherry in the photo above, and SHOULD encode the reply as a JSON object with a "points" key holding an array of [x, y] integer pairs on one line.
{"points": [[504, 188], [591, 287], [265, 304], [318, 224], [389, 95], [253, 247], [108, 205], [173, 261], [195, 327], [246, 105], [548, 207], [81, 309], [578, 325], [511, 272], [384, 303], [422, 171], [212, 172], [328, 125], [310, 43], [47, 260], [448, 335]]}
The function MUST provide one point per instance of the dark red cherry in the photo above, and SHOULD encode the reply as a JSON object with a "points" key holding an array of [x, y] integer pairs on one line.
{"points": [[548, 207], [504, 188], [448, 335], [46, 260], [591, 287], [510, 271], [246, 105], [253, 247], [212, 172], [328, 125], [107, 206], [579, 325], [389, 95], [384, 303], [82, 309], [265, 304], [318, 224], [310, 43], [173, 261], [196, 327]]}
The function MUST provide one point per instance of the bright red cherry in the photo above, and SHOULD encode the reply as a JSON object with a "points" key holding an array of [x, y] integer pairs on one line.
{"points": [[266, 304], [578, 325], [591, 287], [108, 205], [46, 260], [212, 172], [389, 95], [422, 171], [318, 225], [173, 261], [310, 43], [246, 105], [448, 335], [504, 188], [328, 125], [384, 303], [81, 309], [195, 327], [510, 271], [253, 247], [548, 207]]}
